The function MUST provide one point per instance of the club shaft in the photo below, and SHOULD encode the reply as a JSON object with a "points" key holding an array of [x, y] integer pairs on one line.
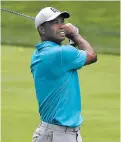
{"points": [[17, 13]]}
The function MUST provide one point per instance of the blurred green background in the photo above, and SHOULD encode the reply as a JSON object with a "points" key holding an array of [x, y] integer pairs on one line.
{"points": [[99, 23]]}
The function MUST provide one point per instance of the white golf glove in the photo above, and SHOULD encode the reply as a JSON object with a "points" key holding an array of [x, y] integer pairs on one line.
{"points": [[76, 29]]}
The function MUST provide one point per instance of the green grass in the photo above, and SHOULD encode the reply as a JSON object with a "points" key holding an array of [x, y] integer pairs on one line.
{"points": [[100, 98], [99, 22]]}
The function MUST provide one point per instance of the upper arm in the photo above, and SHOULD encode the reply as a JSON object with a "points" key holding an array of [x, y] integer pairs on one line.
{"points": [[73, 58]]}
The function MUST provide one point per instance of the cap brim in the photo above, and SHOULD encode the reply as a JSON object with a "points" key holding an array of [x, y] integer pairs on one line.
{"points": [[63, 14]]}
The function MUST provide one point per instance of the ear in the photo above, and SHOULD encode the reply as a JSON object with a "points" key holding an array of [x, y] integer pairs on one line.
{"points": [[41, 30]]}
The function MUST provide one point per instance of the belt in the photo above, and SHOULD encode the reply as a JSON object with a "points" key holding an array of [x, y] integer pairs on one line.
{"points": [[58, 127]]}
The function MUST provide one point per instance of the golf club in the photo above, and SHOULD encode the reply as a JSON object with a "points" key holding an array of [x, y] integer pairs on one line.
{"points": [[17, 13]]}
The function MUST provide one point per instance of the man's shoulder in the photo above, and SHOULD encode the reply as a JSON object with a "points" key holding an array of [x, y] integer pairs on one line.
{"points": [[53, 50], [68, 49], [62, 49]]}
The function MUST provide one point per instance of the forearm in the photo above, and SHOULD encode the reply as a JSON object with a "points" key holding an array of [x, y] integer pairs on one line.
{"points": [[81, 43], [84, 45]]}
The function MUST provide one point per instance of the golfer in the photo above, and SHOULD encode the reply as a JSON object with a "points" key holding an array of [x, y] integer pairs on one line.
{"points": [[54, 68]]}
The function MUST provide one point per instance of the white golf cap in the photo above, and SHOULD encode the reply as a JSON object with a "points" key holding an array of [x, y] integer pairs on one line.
{"points": [[48, 14]]}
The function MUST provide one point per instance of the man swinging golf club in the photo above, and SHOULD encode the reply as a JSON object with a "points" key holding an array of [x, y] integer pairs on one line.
{"points": [[54, 67]]}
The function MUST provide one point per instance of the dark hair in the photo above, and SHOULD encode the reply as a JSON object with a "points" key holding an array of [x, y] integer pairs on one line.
{"points": [[39, 31]]}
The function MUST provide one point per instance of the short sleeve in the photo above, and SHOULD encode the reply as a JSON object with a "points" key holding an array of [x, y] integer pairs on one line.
{"points": [[73, 58]]}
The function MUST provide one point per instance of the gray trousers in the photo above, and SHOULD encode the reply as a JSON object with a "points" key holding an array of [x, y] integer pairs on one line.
{"points": [[54, 133]]}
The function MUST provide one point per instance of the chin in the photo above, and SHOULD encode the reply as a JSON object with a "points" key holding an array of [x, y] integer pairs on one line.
{"points": [[62, 39], [59, 40]]}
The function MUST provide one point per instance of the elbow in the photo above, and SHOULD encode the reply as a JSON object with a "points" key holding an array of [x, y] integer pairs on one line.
{"points": [[91, 58], [94, 58]]}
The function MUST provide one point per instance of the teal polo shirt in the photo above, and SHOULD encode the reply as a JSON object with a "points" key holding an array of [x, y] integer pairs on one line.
{"points": [[54, 68]]}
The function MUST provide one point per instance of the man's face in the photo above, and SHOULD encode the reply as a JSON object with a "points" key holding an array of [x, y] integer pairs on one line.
{"points": [[54, 30]]}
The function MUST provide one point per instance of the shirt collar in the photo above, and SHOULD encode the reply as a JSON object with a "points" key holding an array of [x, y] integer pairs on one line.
{"points": [[46, 44]]}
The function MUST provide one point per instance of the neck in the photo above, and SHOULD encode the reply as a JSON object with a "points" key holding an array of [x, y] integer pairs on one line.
{"points": [[57, 42]]}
